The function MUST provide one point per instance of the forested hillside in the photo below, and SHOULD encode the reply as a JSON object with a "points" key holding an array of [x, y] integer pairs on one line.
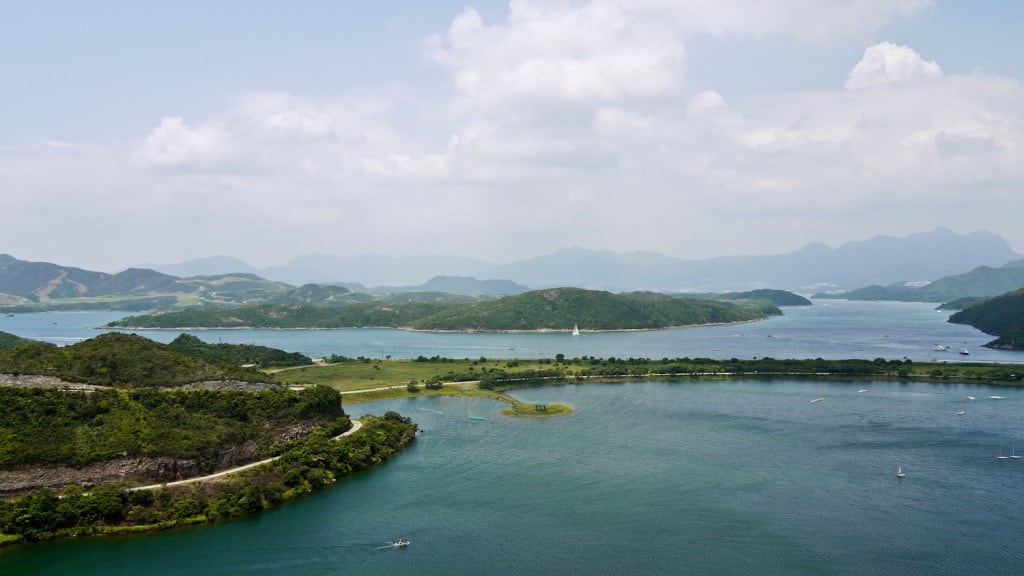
{"points": [[1001, 316], [123, 360], [50, 427], [238, 354], [554, 309]]}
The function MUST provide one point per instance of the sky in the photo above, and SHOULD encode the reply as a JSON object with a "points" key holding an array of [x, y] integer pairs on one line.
{"points": [[158, 132]]}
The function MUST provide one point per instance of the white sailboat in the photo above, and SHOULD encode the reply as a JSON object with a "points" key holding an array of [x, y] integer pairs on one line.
{"points": [[575, 330], [1013, 453], [899, 473], [1002, 456]]}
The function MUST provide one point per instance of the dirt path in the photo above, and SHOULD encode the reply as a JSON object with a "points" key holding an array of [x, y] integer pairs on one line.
{"points": [[356, 425]]}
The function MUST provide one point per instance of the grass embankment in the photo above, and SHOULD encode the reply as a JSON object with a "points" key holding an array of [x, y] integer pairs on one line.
{"points": [[365, 380], [383, 379]]}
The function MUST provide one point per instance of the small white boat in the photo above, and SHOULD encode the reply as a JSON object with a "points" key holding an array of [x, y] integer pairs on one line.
{"points": [[818, 399], [961, 412], [575, 330], [1002, 456], [1013, 453], [940, 348], [970, 397], [899, 473], [965, 352], [862, 390], [401, 543], [996, 397]]}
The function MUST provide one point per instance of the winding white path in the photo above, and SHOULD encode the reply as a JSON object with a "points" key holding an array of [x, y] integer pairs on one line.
{"points": [[356, 425]]}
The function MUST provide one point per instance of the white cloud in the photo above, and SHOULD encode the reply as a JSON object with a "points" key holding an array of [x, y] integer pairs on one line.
{"points": [[886, 62], [172, 143], [570, 123], [426, 167], [580, 54]]}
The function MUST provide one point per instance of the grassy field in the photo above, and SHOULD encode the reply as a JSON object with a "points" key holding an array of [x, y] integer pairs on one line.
{"points": [[367, 374], [367, 380], [362, 375]]}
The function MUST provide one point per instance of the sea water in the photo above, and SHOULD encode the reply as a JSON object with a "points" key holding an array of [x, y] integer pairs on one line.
{"points": [[830, 329], [683, 477]]}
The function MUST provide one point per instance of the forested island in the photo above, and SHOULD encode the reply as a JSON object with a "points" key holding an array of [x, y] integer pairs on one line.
{"points": [[1001, 316], [553, 309]]}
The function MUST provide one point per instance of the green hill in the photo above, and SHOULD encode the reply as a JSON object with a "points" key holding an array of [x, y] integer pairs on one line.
{"points": [[982, 281], [49, 427], [238, 354], [775, 297], [554, 309], [123, 360], [10, 340], [1001, 316]]}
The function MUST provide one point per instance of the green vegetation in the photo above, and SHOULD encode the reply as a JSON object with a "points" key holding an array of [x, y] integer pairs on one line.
{"points": [[983, 281], [10, 340], [960, 303], [554, 309], [1001, 316], [52, 427], [119, 360], [240, 354], [352, 375], [306, 465], [775, 297]]}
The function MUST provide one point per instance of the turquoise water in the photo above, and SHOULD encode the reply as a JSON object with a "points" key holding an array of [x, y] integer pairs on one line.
{"points": [[731, 477], [829, 329]]}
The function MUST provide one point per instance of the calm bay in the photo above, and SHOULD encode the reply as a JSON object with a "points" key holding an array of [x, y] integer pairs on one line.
{"points": [[683, 477], [829, 329]]}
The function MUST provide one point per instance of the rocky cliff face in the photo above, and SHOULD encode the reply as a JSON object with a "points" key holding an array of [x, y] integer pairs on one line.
{"points": [[146, 470]]}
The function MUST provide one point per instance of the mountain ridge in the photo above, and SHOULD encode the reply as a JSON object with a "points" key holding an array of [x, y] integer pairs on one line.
{"points": [[922, 256]]}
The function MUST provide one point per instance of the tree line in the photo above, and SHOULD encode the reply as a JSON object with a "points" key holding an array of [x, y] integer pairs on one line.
{"points": [[307, 465]]}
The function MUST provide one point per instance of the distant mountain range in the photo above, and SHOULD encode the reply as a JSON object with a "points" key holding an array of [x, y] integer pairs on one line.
{"points": [[881, 260], [318, 280], [32, 286]]}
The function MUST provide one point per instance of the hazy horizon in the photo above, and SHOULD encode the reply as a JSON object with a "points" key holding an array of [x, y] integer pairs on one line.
{"points": [[502, 131]]}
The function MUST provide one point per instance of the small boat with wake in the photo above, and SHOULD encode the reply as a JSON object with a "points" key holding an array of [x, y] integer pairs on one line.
{"points": [[401, 543]]}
